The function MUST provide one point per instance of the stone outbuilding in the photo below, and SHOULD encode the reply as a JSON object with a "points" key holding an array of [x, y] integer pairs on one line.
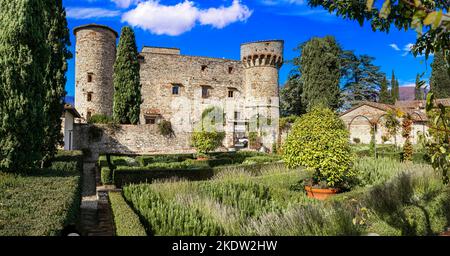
{"points": [[368, 115]]}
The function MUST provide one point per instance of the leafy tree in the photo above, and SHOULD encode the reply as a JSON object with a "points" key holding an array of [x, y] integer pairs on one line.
{"points": [[439, 147], [418, 89], [385, 95], [320, 72], [24, 58], [127, 87], [58, 39], [319, 141], [406, 133], [440, 77], [395, 89], [362, 78], [392, 124], [291, 97], [422, 15]]}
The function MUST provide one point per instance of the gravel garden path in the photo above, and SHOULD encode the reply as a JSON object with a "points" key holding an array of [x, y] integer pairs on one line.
{"points": [[96, 217]]}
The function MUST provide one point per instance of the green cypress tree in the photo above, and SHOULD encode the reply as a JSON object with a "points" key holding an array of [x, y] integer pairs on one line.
{"points": [[418, 89], [290, 97], [385, 96], [320, 72], [24, 56], [127, 87], [440, 78], [58, 40], [395, 90]]}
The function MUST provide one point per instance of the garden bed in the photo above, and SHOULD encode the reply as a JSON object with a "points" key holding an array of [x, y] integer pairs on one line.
{"points": [[128, 169], [42, 203], [388, 198]]}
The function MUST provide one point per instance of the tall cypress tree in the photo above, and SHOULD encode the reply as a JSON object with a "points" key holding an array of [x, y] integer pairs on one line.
{"points": [[58, 39], [320, 72], [127, 87], [385, 96], [24, 56], [440, 78], [418, 88], [395, 90]]}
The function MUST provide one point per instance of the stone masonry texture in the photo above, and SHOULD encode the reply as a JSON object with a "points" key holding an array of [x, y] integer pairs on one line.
{"points": [[243, 89]]}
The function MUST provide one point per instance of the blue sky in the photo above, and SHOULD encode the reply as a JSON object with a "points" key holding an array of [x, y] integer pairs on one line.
{"points": [[216, 28]]}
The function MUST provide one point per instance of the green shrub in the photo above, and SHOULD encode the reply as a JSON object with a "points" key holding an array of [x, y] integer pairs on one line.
{"points": [[106, 176], [373, 171], [44, 202], [126, 222], [206, 142], [319, 141], [100, 119], [220, 161], [102, 162]]}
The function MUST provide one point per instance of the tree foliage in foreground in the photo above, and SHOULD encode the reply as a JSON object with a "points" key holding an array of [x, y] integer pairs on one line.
{"points": [[430, 18], [23, 64]]}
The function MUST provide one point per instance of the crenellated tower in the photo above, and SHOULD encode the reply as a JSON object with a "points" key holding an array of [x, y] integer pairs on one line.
{"points": [[262, 61], [95, 55]]}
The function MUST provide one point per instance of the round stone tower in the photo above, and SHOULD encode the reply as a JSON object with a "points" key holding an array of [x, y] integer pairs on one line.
{"points": [[95, 55], [262, 61]]}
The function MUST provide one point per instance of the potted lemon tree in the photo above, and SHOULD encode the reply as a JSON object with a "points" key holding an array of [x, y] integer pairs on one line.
{"points": [[320, 142]]}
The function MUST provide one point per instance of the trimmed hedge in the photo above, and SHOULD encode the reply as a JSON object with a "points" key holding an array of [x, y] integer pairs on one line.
{"points": [[44, 202], [126, 222], [417, 157], [106, 176], [123, 176]]}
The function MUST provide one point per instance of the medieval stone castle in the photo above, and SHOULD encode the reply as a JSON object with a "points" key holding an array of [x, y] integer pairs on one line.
{"points": [[177, 88]]}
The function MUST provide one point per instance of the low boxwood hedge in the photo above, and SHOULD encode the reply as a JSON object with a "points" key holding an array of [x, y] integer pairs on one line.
{"points": [[106, 176], [133, 175], [126, 222], [44, 202]]}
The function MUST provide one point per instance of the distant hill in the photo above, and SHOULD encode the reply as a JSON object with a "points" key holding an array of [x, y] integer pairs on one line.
{"points": [[408, 93], [69, 100]]}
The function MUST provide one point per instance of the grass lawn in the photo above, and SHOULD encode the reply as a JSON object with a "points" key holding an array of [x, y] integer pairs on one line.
{"points": [[42, 203]]}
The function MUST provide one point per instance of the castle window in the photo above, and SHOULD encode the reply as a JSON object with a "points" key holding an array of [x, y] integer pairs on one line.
{"points": [[205, 92], [204, 67], [230, 69], [237, 115], [89, 96], [89, 77], [175, 89], [230, 94]]}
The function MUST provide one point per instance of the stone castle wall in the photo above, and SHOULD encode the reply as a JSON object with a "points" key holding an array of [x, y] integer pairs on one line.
{"points": [[95, 55], [128, 139], [253, 81], [159, 72]]}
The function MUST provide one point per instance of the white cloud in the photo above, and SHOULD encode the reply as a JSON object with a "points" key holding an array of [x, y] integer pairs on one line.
{"points": [[124, 3], [176, 19], [408, 47], [223, 16], [160, 19], [395, 47], [280, 2], [89, 13]]}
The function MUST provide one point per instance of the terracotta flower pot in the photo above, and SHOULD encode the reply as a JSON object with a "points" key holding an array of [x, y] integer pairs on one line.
{"points": [[320, 193]]}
